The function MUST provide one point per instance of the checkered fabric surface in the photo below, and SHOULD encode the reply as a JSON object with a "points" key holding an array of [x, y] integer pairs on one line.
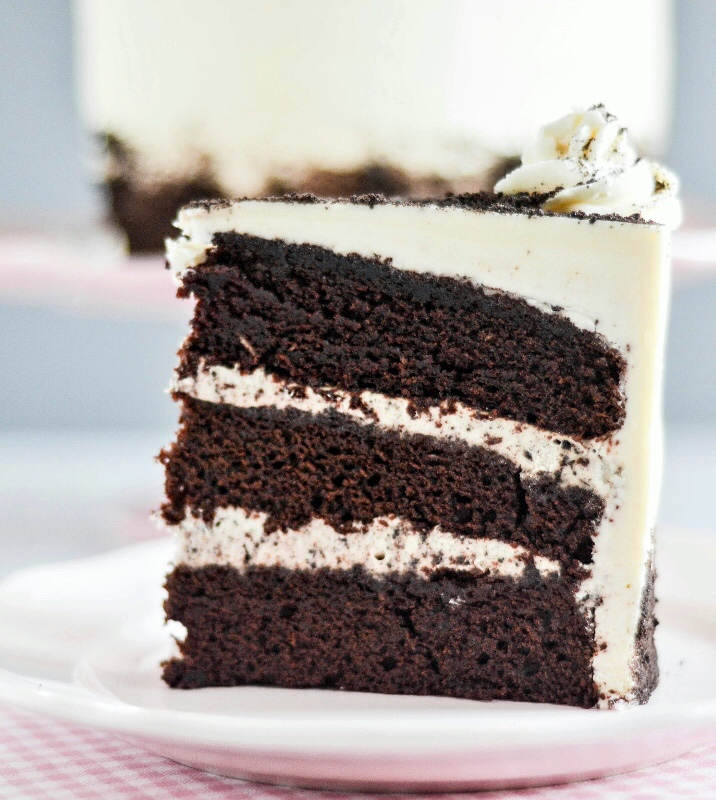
{"points": [[44, 759]]}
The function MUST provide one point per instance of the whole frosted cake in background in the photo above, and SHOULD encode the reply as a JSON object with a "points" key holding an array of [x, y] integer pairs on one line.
{"points": [[420, 441], [249, 98]]}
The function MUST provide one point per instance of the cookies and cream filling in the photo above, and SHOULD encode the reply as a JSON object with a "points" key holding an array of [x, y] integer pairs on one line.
{"points": [[236, 537]]}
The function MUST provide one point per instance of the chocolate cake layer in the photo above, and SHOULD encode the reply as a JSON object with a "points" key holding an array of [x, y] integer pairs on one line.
{"points": [[461, 635], [317, 318], [295, 466]]}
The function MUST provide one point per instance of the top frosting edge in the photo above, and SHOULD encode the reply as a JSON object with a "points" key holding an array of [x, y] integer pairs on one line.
{"points": [[581, 166], [521, 203]]}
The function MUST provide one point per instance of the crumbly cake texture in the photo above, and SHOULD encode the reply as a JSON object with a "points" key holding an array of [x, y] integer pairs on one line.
{"points": [[396, 479], [457, 634], [318, 318]]}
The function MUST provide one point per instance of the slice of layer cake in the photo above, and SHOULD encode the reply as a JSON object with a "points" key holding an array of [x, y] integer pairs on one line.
{"points": [[419, 443]]}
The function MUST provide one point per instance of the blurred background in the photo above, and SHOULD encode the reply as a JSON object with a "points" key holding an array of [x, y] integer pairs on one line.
{"points": [[114, 112]]}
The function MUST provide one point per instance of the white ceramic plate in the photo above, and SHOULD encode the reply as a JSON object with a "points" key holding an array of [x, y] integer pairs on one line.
{"points": [[103, 614]]}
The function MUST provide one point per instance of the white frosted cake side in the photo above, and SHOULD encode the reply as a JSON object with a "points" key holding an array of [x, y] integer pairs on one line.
{"points": [[431, 432]]}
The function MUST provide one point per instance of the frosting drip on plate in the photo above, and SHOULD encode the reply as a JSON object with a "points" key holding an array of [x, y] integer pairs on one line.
{"points": [[586, 163]]}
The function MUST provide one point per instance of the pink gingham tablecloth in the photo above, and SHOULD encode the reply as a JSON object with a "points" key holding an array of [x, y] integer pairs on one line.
{"points": [[44, 759]]}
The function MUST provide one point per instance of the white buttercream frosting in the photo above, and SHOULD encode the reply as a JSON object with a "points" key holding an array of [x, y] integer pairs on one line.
{"points": [[237, 538], [586, 160], [533, 450]]}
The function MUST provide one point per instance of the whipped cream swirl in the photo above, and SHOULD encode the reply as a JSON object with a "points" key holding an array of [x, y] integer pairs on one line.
{"points": [[586, 163]]}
